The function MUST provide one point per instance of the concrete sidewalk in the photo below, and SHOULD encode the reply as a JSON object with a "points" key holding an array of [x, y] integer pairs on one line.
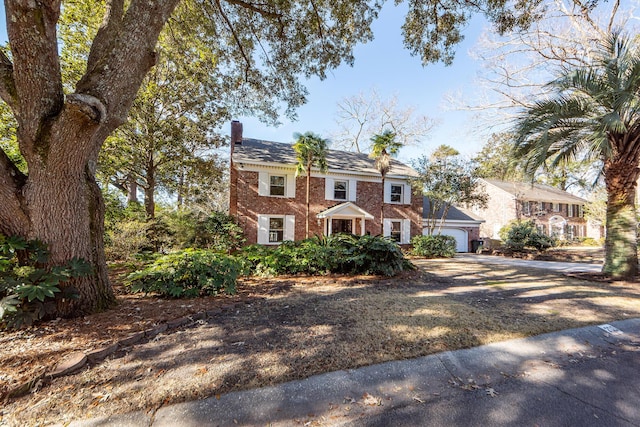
{"points": [[564, 267], [587, 376]]}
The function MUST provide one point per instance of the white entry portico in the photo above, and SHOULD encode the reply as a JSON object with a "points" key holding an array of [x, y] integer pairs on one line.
{"points": [[344, 218]]}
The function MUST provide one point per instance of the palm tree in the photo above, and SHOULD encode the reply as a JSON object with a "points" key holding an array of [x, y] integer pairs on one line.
{"points": [[595, 111], [311, 150], [383, 147]]}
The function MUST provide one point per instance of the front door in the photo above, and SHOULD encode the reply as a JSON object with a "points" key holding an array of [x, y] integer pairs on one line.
{"points": [[341, 226]]}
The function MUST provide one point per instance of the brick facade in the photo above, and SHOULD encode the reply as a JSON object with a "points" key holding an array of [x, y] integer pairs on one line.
{"points": [[504, 206], [247, 204]]}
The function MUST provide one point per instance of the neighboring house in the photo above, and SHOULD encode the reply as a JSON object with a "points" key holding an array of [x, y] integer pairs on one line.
{"points": [[459, 223], [269, 201], [555, 212]]}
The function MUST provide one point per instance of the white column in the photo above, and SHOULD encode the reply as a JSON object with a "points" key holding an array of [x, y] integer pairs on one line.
{"points": [[362, 220], [329, 227]]}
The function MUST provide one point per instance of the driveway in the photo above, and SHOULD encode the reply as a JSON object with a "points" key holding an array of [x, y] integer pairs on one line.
{"points": [[564, 267]]}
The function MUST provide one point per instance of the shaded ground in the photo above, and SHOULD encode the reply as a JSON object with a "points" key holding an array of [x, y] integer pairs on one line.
{"points": [[291, 328]]}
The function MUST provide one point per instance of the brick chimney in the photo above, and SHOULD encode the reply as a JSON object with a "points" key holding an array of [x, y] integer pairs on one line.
{"points": [[236, 134]]}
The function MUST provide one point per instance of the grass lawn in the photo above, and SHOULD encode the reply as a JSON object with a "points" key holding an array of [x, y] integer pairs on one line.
{"points": [[289, 328]]}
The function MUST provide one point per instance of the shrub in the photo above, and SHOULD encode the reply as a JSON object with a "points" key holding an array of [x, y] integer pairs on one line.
{"points": [[434, 246], [590, 241], [519, 235], [131, 237], [340, 253], [188, 273], [27, 286]]}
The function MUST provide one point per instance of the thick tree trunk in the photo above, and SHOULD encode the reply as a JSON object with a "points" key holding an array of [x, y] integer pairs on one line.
{"points": [[60, 136], [132, 190], [66, 210], [621, 250]]}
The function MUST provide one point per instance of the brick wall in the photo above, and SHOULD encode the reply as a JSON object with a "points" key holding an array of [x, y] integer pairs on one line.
{"points": [[502, 208], [249, 204]]}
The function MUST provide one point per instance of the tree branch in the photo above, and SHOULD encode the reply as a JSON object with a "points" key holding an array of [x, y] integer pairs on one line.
{"points": [[254, 8], [36, 66], [122, 54], [7, 84], [236, 38]]}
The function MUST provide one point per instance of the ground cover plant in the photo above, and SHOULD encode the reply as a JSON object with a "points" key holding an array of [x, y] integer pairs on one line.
{"points": [[290, 327], [27, 285]]}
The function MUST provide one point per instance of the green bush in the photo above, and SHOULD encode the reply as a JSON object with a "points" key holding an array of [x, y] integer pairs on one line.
{"points": [[434, 246], [519, 235], [188, 273], [590, 241], [27, 286], [340, 253]]}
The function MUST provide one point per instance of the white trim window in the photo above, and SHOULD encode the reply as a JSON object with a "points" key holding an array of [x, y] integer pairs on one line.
{"points": [[398, 229], [340, 189], [526, 208], [275, 229], [397, 193], [556, 207], [276, 184]]}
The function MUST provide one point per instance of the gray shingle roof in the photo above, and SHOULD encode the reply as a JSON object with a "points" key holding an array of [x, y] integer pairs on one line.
{"points": [[255, 151], [454, 213], [536, 192]]}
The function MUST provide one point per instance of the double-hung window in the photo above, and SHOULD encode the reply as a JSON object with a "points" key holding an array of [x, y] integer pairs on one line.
{"points": [[340, 189], [396, 193], [276, 230], [396, 230], [277, 185]]}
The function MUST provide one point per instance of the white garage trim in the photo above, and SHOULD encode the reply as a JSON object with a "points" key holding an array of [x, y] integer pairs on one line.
{"points": [[461, 236]]}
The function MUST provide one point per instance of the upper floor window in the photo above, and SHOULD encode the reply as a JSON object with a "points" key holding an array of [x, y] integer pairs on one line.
{"points": [[396, 193], [277, 185], [556, 207], [340, 189], [526, 208]]}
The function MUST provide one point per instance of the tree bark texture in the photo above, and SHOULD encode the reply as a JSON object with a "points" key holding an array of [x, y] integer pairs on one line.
{"points": [[621, 251], [59, 202]]}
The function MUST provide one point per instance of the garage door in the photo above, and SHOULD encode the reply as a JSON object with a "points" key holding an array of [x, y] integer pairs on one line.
{"points": [[462, 240]]}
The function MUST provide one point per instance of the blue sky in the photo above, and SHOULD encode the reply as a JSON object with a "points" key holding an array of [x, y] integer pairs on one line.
{"points": [[386, 66]]}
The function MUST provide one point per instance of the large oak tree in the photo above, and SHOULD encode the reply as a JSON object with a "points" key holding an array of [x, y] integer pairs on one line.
{"points": [[268, 45]]}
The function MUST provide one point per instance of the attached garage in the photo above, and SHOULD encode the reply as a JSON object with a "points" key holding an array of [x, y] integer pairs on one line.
{"points": [[461, 236], [459, 224]]}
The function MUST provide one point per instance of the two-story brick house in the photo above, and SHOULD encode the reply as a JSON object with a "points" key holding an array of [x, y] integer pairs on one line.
{"points": [[269, 201], [555, 212]]}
